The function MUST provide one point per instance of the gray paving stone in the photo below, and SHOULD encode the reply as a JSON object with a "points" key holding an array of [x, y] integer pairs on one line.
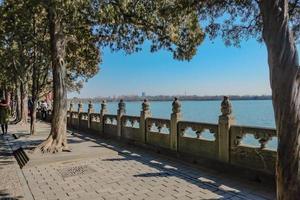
{"points": [[122, 173]]}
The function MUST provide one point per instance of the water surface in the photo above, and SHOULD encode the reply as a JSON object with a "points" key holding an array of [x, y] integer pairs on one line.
{"points": [[246, 112]]}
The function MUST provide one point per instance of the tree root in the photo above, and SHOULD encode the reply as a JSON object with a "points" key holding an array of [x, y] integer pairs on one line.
{"points": [[52, 146], [22, 123]]}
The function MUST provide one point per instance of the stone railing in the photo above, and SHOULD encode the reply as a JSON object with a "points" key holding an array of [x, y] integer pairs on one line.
{"points": [[131, 128], [158, 132], [223, 142], [110, 125], [255, 155], [200, 139], [95, 122]]}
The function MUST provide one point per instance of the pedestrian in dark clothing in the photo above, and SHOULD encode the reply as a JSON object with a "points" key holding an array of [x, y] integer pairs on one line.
{"points": [[4, 115]]}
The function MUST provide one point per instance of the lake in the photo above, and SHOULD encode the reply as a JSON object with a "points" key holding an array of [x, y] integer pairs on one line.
{"points": [[246, 112]]}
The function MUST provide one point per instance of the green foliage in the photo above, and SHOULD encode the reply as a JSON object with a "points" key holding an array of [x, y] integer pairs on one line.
{"points": [[237, 20], [89, 26], [126, 24]]}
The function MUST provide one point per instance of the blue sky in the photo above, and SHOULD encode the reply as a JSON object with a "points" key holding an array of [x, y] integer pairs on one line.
{"points": [[215, 70]]}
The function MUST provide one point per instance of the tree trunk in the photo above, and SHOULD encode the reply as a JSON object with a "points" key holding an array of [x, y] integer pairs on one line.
{"points": [[285, 83], [57, 140], [33, 117], [34, 94], [34, 88], [24, 103], [12, 104], [18, 104]]}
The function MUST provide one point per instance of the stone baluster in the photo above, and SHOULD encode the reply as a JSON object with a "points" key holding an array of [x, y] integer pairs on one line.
{"points": [[80, 107], [80, 110], [225, 121], [71, 106], [90, 110], [90, 107], [145, 113], [103, 112], [121, 112], [175, 117], [69, 121]]}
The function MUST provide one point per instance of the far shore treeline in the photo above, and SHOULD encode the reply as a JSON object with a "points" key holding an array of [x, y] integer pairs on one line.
{"points": [[170, 98]]}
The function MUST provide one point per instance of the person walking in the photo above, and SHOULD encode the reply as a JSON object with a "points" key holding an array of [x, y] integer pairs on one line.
{"points": [[44, 108], [4, 115]]}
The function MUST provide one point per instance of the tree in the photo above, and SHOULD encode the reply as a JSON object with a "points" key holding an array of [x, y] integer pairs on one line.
{"points": [[16, 44], [285, 83], [70, 40], [40, 59], [79, 28], [277, 23]]}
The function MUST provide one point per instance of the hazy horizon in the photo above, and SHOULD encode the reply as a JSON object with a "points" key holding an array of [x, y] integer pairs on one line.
{"points": [[137, 95]]}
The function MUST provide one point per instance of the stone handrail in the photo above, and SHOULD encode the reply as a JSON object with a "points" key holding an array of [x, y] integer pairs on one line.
{"points": [[83, 116], [74, 114], [110, 119], [95, 117], [262, 135], [255, 157], [158, 123], [198, 128], [223, 142], [131, 121]]}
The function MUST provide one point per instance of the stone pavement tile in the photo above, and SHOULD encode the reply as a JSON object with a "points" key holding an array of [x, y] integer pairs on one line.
{"points": [[12, 181], [119, 172]]}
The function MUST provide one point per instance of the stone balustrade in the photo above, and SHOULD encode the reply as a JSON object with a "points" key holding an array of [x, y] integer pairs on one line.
{"points": [[158, 132], [131, 128], [257, 155], [221, 143], [192, 140]]}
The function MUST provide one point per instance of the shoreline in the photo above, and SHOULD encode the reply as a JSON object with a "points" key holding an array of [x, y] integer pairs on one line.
{"points": [[162, 100]]}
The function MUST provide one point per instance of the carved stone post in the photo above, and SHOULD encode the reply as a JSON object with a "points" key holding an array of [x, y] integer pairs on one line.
{"points": [[90, 110], [175, 117], [80, 107], [225, 121], [145, 113], [69, 121], [121, 112], [90, 107], [71, 106], [80, 110], [103, 112]]}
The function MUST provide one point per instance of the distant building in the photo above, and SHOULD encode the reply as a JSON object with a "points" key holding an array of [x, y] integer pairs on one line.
{"points": [[143, 94]]}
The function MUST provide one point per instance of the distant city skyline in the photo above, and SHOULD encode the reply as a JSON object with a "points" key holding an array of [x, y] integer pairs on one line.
{"points": [[214, 70]]}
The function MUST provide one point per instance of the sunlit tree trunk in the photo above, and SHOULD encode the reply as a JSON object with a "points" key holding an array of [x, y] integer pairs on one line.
{"points": [[285, 83], [57, 140], [33, 117]]}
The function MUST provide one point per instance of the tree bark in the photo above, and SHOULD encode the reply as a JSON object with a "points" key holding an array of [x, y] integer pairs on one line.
{"points": [[34, 88], [57, 140], [12, 104], [285, 83], [33, 118], [24, 103], [18, 104], [34, 94]]}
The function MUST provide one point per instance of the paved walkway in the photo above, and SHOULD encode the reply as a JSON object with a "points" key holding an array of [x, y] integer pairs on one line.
{"points": [[104, 169], [12, 181]]}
